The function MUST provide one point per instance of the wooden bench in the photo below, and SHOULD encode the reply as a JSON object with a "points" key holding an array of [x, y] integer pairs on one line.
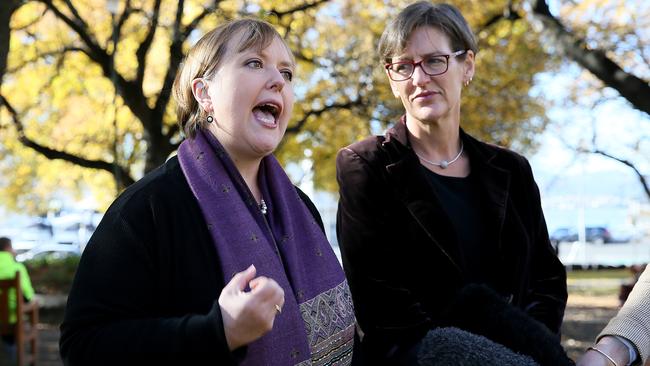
{"points": [[24, 330]]}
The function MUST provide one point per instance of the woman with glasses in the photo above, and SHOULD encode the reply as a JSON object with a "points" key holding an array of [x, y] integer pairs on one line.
{"points": [[430, 217], [215, 258]]}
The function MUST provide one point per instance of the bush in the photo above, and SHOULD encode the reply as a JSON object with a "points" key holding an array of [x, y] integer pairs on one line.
{"points": [[52, 275]]}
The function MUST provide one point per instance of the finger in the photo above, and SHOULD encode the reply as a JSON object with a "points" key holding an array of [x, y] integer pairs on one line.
{"points": [[258, 282], [241, 279], [266, 288]]}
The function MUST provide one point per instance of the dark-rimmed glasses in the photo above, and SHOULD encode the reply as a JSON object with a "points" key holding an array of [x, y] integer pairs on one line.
{"points": [[431, 65]]}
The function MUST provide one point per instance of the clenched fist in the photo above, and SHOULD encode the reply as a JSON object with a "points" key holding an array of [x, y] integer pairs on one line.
{"points": [[248, 315]]}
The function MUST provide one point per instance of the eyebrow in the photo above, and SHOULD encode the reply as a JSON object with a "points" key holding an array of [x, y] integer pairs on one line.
{"points": [[429, 54], [285, 63]]}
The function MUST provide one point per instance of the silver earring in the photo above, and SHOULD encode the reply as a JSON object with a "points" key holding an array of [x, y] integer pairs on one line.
{"points": [[210, 119]]}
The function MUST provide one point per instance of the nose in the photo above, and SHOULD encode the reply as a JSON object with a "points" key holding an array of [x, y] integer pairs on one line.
{"points": [[277, 81], [419, 77]]}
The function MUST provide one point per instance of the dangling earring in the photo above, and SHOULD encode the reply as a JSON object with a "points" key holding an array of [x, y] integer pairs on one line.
{"points": [[467, 82], [210, 119]]}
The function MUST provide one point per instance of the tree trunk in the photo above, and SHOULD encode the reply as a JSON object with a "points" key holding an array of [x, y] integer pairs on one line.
{"points": [[7, 9], [158, 149]]}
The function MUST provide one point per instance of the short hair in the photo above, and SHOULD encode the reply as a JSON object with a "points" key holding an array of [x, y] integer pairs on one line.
{"points": [[5, 244], [204, 59], [444, 17]]}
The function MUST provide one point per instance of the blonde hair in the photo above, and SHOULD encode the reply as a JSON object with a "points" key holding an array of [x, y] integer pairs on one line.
{"points": [[204, 59]]}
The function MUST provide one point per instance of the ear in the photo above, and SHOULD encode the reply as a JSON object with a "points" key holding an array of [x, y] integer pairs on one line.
{"points": [[469, 65], [200, 92]]}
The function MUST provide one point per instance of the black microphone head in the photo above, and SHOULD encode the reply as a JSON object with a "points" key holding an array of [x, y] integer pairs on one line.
{"points": [[453, 346]]}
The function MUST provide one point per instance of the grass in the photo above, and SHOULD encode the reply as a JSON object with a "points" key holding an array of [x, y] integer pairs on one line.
{"points": [[594, 292], [594, 274], [598, 282]]}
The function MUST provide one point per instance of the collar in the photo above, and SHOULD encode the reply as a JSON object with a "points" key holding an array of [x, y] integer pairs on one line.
{"points": [[476, 149]]}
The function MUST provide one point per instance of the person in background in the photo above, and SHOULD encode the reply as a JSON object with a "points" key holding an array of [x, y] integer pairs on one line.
{"points": [[626, 339], [8, 269], [215, 258], [428, 209]]}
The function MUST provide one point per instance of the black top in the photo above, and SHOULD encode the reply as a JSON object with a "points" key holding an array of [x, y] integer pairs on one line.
{"points": [[146, 289], [460, 199]]}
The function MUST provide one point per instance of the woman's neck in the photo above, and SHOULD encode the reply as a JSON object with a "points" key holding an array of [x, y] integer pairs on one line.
{"points": [[248, 166], [249, 170], [438, 140]]}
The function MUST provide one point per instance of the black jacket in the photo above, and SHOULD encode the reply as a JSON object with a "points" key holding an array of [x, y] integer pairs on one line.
{"points": [[399, 248], [146, 289]]}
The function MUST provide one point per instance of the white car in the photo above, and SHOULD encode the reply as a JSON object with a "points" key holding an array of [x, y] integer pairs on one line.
{"points": [[49, 250]]}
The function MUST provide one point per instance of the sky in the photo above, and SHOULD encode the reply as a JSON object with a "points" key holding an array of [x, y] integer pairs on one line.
{"points": [[602, 191]]}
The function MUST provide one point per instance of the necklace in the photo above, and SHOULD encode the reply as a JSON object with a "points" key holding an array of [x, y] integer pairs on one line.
{"points": [[263, 208], [443, 164]]}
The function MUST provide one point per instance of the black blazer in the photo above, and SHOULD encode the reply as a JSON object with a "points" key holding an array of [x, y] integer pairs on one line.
{"points": [[399, 248]]}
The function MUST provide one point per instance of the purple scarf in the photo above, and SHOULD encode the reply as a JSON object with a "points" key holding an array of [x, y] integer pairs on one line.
{"points": [[316, 326]]}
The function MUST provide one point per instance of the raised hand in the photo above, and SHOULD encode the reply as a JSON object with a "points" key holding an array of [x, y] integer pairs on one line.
{"points": [[248, 315]]}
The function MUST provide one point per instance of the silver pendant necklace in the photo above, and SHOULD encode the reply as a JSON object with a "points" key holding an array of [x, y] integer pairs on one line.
{"points": [[443, 164], [262, 206]]}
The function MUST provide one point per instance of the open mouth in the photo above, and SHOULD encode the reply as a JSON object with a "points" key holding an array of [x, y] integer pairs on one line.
{"points": [[267, 112]]}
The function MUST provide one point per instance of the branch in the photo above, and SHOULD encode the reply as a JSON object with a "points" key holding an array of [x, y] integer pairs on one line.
{"points": [[195, 22], [133, 95], [142, 51], [80, 27], [631, 87], [75, 13], [639, 175], [128, 10], [53, 154], [281, 14], [46, 54], [317, 112], [508, 13]]}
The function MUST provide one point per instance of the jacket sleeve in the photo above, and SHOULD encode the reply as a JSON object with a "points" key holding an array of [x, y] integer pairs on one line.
{"points": [[547, 291], [633, 320], [111, 315], [390, 317]]}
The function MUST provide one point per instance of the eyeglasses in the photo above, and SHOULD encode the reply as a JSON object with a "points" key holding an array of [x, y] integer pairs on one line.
{"points": [[431, 65]]}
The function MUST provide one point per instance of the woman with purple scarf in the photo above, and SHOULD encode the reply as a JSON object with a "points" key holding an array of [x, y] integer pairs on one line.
{"points": [[215, 257]]}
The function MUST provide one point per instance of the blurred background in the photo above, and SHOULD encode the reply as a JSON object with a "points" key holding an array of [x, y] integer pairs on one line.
{"points": [[85, 110]]}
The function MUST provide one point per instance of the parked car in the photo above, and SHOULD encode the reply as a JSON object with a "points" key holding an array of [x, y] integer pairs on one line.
{"points": [[593, 234], [598, 235], [563, 234], [49, 250]]}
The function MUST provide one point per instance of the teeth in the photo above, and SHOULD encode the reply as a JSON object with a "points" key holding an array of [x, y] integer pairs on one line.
{"points": [[271, 108]]}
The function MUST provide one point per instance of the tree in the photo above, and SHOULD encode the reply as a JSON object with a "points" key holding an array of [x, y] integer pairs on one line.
{"points": [[60, 113], [609, 39], [596, 47]]}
